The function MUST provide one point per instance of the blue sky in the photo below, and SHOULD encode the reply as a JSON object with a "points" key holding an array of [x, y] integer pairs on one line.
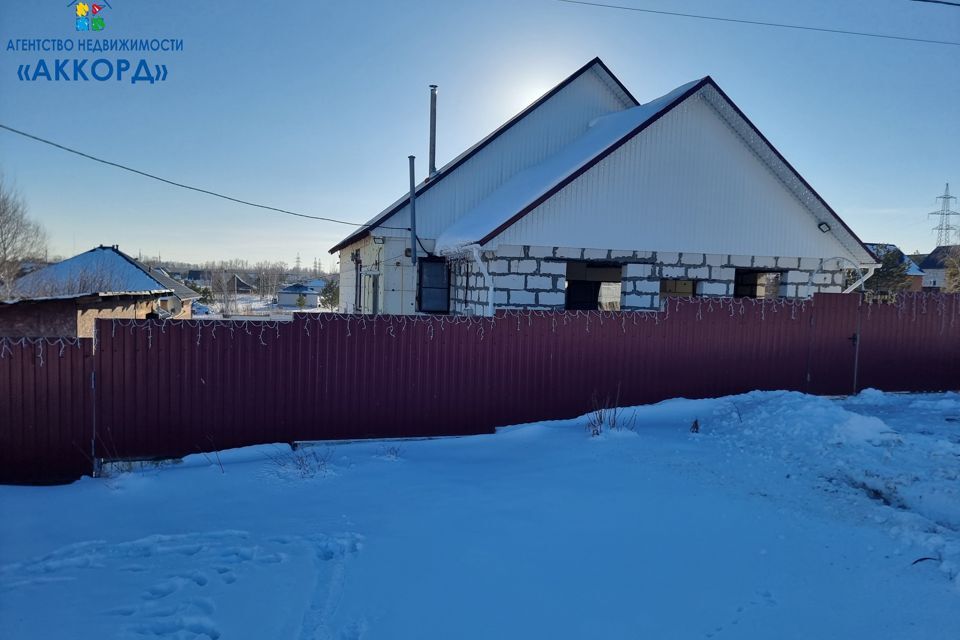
{"points": [[314, 106]]}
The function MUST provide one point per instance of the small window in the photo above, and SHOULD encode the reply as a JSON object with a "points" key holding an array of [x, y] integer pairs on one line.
{"points": [[593, 285], [678, 288], [750, 283], [433, 286]]}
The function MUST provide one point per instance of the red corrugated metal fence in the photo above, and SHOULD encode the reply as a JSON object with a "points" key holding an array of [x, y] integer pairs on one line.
{"points": [[167, 389]]}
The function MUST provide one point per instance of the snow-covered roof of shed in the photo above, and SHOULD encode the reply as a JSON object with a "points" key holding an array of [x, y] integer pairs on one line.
{"points": [[101, 271], [530, 184]]}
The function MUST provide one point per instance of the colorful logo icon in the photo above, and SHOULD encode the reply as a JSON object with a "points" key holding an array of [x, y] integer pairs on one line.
{"points": [[89, 15]]}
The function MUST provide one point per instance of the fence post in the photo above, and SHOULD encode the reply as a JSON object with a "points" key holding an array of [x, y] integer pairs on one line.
{"points": [[856, 345]]}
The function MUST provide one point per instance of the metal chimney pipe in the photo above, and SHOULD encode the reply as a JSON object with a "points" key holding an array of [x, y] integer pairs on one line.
{"points": [[433, 129], [413, 212]]}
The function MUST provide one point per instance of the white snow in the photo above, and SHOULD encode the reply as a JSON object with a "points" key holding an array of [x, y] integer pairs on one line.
{"points": [[102, 270], [528, 185], [787, 516]]}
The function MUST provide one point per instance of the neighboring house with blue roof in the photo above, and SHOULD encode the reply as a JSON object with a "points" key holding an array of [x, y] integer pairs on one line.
{"points": [[589, 198], [914, 272], [291, 295]]}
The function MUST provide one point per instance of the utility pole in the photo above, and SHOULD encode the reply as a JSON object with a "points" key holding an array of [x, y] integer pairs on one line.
{"points": [[946, 232]]}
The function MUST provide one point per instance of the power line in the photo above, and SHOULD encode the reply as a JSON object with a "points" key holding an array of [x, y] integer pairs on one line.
{"points": [[185, 186], [762, 24], [946, 2]]}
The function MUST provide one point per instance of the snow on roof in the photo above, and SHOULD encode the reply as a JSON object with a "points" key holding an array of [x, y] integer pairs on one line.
{"points": [[880, 249], [449, 168], [528, 185], [100, 271], [298, 288]]}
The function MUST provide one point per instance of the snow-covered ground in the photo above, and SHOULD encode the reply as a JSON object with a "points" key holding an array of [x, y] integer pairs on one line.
{"points": [[787, 516], [252, 307]]}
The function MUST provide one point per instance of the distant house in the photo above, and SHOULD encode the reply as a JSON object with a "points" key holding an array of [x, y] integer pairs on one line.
{"points": [[198, 276], [934, 267], [179, 304], [316, 283], [589, 199], [914, 272], [291, 295], [65, 298], [236, 284]]}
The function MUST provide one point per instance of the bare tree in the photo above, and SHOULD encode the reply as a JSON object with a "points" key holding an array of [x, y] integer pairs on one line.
{"points": [[223, 288], [269, 278], [952, 264], [21, 238]]}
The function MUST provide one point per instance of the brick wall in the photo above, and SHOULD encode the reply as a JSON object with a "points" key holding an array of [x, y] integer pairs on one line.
{"points": [[67, 318], [44, 319]]}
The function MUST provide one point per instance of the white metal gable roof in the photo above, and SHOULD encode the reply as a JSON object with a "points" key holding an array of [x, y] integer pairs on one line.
{"points": [[526, 191], [461, 163]]}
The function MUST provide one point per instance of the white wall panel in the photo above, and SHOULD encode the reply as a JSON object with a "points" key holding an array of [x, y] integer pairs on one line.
{"points": [[688, 183]]}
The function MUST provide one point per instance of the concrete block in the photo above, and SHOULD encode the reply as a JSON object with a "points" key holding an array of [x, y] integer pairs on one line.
{"points": [[673, 272], [822, 278], [569, 252], [804, 291], [634, 270], [810, 264], [510, 251], [555, 268], [524, 266], [715, 259], [832, 265], [646, 286], [551, 298], [539, 282], [666, 257], [764, 262], [722, 273], [499, 297], [595, 254], [839, 278], [712, 288], [698, 273], [540, 252], [788, 263], [798, 277], [693, 259], [644, 255], [508, 282], [741, 261], [834, 288], [621, 254], [498, 266], [523, 297]]}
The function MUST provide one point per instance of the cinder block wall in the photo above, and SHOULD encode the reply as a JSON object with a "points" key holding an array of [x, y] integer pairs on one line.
{"points": [[532, 277]]}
